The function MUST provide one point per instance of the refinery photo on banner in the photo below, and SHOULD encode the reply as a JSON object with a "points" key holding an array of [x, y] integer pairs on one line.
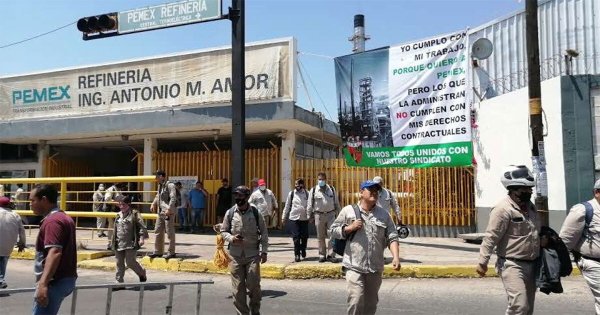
{"points": [[406, 105]]}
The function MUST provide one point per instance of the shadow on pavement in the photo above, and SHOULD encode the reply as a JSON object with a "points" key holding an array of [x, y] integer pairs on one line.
{"points": [[150, 288], [273, 294]]}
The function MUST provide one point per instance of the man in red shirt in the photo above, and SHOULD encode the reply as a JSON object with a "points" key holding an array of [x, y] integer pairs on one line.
{"points": [[55, 266]]}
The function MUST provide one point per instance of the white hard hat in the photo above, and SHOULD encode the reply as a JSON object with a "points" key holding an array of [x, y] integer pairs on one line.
{"points": [[378, 179], [517, 175]]}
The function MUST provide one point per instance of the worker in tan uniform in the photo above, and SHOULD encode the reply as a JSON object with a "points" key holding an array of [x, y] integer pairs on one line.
{"points": [[581, 234], [246, 232], [514, 229], [165, 204], [322, 208]]}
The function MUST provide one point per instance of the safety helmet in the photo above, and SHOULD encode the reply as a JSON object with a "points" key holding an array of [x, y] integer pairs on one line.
{"points": [[517, 175], [403, 231], [242, 190]]}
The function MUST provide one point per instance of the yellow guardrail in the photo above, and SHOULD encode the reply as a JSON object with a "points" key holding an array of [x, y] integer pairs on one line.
{"points": [[63, 181], [85, 214]]}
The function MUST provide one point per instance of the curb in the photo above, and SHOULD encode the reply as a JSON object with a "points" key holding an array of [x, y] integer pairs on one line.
{"points": [[29, 254], [292, 271], [92, 260]]}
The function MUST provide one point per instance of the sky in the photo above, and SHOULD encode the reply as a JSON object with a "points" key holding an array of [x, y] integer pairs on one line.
{"points": [[321, 27]]}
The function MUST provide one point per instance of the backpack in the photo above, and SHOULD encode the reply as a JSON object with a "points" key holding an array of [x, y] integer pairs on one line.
{"points": [[339, 245], [177, 194], [589, 214]]}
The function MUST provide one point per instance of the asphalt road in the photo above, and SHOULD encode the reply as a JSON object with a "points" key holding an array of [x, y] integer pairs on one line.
{"points": [[397, 296]]}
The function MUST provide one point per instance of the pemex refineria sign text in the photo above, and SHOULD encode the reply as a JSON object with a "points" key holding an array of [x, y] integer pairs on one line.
{"points": [[193, 79]]}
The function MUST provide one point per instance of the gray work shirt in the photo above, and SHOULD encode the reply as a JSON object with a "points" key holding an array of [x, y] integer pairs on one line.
{"points": [[364, 253], [296, 209], [245, 225], [572, 232], [166, 196], [513, 234], [322, 200], [388, 201], [128, 230]]}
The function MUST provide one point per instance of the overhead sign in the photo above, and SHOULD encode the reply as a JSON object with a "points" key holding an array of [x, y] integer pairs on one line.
{"points": [[168, 15], [191, 79], [406, 106]]}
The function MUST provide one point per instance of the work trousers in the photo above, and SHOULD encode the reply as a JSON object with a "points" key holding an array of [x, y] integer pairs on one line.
{"points": [[518, 278], [100, 222], [323, 222], [3, 264], [128, 256], [163, 226], [590, 269], [245, 280], [363, 292], [299, 231]]}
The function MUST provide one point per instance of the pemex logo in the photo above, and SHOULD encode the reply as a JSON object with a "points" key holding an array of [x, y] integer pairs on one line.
{"points": [[40, 96]]}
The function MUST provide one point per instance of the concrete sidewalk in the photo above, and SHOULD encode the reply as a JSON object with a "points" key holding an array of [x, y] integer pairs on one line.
{"points": [[420, 257]]}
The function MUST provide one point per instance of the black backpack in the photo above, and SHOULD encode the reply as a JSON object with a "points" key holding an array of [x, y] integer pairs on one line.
{"points": [[339, 245]]}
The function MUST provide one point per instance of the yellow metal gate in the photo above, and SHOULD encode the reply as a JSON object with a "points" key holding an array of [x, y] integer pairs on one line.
{"points": [[215, 165], [427, 196]]}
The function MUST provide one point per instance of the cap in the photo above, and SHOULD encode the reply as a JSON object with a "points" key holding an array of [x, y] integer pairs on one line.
{"points": [[597, 184], [4, 201], [262, 182], [369, 184], [378, 179], [124, 199], [243, 190], [161, 173]]}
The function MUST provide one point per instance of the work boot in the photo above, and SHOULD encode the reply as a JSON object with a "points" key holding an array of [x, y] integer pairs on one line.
{"points": [[154, 255], [331, 259], [303, 252], [169, 256], [297, 258], [322, 259]]}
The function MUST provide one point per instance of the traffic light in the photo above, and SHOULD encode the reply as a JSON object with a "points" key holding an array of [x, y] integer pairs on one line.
{"points": [[103, 23]]}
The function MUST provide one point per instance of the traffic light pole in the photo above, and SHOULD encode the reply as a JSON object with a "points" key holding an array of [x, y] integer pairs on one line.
{"points": [[535, 109], [238, 100]]}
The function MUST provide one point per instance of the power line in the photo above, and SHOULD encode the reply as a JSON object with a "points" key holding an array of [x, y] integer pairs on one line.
{"points": [[315, 55], [315, 88], [37, 36]]}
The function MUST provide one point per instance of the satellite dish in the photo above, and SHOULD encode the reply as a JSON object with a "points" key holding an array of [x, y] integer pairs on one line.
{"points": [[482, 48]]}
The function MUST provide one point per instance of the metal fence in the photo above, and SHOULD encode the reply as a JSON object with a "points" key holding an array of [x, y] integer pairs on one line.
{"points": [[427, 196], [110, 288]]}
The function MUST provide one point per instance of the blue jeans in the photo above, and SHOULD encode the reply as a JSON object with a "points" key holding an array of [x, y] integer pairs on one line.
{"points": [[57, 291], [3, 263], [197, 218], [182, 214]]}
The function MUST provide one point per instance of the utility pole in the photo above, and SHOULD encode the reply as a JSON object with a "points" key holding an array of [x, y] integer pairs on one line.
{"points": [[238, 98], [535, 109]]}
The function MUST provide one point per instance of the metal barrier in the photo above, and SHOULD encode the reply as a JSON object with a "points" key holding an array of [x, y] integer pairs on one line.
{"points": [[441, 196], [81, 214], [64, 201], [110, 289], [63, 181]]}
